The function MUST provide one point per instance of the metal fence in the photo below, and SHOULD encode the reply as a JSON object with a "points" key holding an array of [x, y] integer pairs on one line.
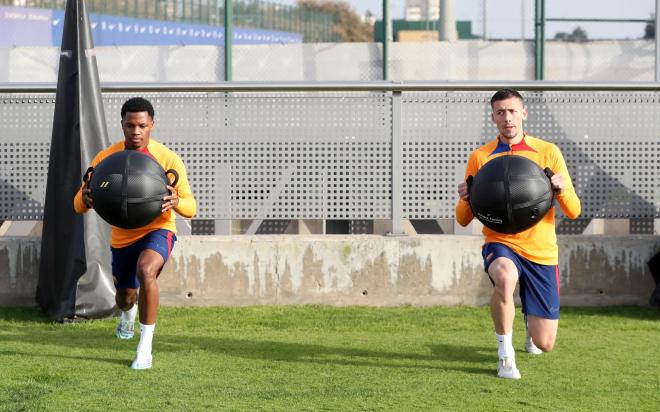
{"points": [[536, 45], [356, 152]]}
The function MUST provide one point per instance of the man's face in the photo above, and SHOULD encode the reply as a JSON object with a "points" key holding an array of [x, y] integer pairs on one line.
{"points": [[137, 129], [508, 116]]}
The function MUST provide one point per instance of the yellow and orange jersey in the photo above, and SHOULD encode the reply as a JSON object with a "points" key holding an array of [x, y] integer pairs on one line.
{"points": [[187, 206], [538, 243]]}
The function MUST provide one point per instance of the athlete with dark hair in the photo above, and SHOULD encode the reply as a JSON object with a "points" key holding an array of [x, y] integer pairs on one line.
{"points": [[138, 255], [137, 105], [531, 256]]}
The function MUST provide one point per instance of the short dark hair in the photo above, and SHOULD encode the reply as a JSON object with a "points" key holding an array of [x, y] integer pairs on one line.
{"points": [[504, 94], [137, 105]]}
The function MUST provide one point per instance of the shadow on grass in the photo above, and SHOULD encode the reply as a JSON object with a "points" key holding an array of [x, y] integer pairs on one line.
{"points": [[632, 312], [441, 357], [333, 355], [40, 355], [454, 353], [26, 325], [22, 314], [33, 314]]}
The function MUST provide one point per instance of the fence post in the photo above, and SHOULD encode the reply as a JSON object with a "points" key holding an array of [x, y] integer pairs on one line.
{"points": [[657, 42], [397, 164], [539, 39], [229, 28], [387, 34]]}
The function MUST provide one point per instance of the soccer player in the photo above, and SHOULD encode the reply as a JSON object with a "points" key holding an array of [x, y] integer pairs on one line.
{"points": [[531, 256], [138, 255]]}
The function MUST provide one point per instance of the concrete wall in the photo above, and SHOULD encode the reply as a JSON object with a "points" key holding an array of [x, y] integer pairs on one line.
{"points": [[358, 270], [19, 270]]}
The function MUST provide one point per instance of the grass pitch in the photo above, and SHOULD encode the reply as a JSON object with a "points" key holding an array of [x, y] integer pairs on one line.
{"points": [[329, 358]]}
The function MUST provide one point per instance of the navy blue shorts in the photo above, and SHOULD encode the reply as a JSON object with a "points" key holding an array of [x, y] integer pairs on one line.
{"points": [[124, 260], [539, 284]]}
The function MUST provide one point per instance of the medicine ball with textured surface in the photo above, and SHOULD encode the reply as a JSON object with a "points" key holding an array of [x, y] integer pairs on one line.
{"points": [[510, 194], [127, 189]]}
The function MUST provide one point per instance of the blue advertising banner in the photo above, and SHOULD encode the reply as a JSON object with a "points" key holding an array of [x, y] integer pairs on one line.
{"points": [[26, 27], [41, 27]]}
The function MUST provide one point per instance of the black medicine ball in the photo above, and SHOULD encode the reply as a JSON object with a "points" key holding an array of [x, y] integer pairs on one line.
{"points": [[510, 194], [128, 187]]}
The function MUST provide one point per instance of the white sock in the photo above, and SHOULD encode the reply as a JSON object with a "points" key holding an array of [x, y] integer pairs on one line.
{"points": [[505, 345], [146, 336], [129, 315]]}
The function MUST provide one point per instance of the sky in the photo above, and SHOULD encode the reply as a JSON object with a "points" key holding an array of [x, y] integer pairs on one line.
{"points": [[504, 16]]}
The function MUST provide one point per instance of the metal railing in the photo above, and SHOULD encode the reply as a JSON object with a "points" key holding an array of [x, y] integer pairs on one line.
{"points": [[357, 151]]}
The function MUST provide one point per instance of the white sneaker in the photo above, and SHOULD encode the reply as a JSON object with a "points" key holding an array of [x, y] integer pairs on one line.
{"points": [[142, 362], [531, 348], [506, 368], [125, 329]]}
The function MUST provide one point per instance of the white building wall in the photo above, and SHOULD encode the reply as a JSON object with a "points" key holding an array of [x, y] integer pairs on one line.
{"points": [[416, 10], [463, 60]]}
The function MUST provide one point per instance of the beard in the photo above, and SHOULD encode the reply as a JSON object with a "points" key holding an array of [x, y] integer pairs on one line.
{"points": [[509, 133]]}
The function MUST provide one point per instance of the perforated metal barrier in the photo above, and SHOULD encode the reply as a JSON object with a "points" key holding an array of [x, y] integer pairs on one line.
{"points": [[25, 129], [319, 154]]}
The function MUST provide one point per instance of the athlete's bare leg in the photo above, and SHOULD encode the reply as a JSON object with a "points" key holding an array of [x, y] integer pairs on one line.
{"points": [[126, 298], [149, 265], [543, 332], [504, 274]]}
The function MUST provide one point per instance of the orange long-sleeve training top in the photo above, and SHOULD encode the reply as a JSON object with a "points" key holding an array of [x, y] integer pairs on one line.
{"points": [[538, 243], [187, 206]]}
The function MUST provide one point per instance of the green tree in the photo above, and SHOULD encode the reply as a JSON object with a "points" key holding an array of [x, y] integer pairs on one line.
{"points": [[649, 30], [347, 24], [578, 35]]}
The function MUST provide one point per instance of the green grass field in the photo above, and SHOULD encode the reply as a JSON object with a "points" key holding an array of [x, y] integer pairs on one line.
{"points": [[329, 358]]}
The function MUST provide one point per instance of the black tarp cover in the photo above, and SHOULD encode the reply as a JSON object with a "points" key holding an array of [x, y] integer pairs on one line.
{"points": [[74, 274]]}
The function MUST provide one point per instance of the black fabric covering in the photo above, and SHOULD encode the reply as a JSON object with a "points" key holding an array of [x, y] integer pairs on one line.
{"points": [[654, 266], [77, 116]]}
